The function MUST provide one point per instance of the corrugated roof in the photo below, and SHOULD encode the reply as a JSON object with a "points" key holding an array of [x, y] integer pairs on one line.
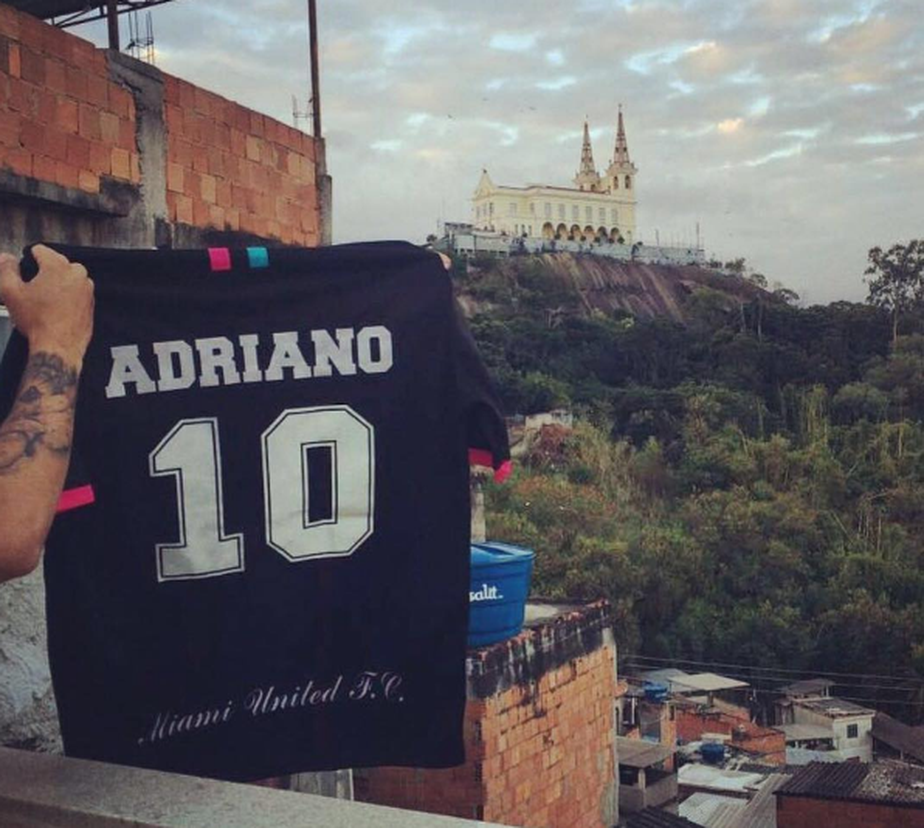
{"points": [[709, 682], [638, 753], [761, 810], [712, 810], [718, 779], [807, 687], [654, 818], [890, 782], [898, 735]]}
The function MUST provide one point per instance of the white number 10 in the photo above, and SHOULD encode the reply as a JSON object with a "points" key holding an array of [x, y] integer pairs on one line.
{"points": [[191, 453]]}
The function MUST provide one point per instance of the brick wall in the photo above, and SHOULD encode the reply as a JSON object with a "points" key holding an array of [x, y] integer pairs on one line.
{"points": [[233, 169], [539, 740], [62, 120], [768, 742], [147, 148], [803, 812]]}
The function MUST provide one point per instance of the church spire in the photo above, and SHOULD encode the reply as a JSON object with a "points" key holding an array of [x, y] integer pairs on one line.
{"points": [[587, 178], [587, 153], [621, 155]]}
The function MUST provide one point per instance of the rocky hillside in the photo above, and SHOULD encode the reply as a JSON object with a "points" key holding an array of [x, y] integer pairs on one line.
{"points": [[604, 285]]}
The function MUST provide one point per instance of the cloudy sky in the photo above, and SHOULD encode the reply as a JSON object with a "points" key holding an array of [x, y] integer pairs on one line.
{"points": [[791, 130]]}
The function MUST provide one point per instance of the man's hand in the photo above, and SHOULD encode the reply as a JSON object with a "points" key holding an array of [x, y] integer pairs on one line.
{"points": [[55, 313], [55, 310]]}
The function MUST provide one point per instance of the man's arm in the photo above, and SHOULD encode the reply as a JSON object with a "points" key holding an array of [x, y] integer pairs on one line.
{"points": [[55, 313]]}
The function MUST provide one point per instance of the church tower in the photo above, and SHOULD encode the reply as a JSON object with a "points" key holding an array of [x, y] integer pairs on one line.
{"points": [[588, 178], [620, 175]]}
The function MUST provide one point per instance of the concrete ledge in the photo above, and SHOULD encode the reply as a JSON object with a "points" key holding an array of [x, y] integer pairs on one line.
{"points": [[44, 791], [115, 199]]}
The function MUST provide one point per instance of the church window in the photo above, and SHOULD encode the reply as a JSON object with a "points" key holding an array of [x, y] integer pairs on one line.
{"points": [[628, 182], [561, 211], [614, 216], [589, 213], [615, 182], [548, 210], [575, 212], [602, 214], [512, 208], [532, 208]]}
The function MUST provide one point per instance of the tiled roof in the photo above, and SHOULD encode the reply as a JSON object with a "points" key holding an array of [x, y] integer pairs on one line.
{"points": [[654, 818], [898, 735], [890, 782]]}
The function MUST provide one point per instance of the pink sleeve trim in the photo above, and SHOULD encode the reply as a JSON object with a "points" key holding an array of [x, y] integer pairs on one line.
{"points": [[481, 457], [75, 498]]}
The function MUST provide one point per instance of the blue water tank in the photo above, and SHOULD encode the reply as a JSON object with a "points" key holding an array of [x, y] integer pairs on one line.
{"points": [[712, 752], [500, 580], [655, 691]]}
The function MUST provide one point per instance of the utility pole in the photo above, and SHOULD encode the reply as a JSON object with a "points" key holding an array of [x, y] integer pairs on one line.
{"points": [[315, 70], [112, 19]]}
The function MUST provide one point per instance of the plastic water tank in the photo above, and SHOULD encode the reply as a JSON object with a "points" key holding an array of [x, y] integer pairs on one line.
{"points": [[500, 579], [655, 691], [712, 752]]}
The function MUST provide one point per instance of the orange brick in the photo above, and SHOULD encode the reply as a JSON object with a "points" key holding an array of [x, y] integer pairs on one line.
{"points": [[200, 159], [253, 148], [216, 216], [120, 163], [67, 116], [55, 75], [183, 152], [32, 67], [126, 134], [78, 152], [56, 143], [98, 91], [89, 122], [192, 184], [87, 181], [184, 209], [9, 22], [19, 161], [174, 118], [43, 168], [32, 136], [100, 158], [233, 218], [208, 189], [15, 60], [109, 128], [201, 214], [76, 80], [257, 124], [135, 164], [223, 193], [171, 88], [121, 102], [174, 177], [66, 175]]}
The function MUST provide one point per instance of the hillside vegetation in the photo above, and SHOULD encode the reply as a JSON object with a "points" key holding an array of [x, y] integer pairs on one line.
{"points": [[745, 483]]}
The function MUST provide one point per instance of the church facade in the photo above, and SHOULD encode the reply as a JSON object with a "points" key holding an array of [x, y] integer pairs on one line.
{"points": [[598, 208]]}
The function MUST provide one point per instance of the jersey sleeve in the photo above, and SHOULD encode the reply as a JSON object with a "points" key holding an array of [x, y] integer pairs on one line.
{"points": [[78, 490], [488, 445]]}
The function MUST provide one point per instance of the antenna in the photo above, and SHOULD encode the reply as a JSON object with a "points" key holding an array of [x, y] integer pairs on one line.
{"points": [[141, 43], [300, 115]]}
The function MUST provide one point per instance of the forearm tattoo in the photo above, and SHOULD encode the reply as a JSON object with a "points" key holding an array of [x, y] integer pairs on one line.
{"points": [[42, 419]]}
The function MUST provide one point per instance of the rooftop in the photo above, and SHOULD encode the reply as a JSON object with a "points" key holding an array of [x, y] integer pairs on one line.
{"points": [[683, 682], [656, 818], [714, 778], [638, 753], [809, 687], [894, 783], [835, 708], [899, 736], [712, 810]]}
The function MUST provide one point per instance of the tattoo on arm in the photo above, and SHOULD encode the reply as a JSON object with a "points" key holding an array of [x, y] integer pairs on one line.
{"points": [[42, 418]]}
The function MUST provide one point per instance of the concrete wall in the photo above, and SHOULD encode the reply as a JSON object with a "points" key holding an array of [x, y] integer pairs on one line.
{"points": [[539, 730], [99, 149]]}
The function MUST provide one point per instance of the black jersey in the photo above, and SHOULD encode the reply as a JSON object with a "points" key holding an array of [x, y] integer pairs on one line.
{"points": [[262, 562]]}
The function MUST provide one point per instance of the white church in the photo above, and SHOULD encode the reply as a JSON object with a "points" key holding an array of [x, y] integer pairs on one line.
{"points": [[599, 208]]}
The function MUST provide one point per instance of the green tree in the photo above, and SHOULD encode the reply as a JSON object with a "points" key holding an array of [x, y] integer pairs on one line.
{"points": [[896, 279]]}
